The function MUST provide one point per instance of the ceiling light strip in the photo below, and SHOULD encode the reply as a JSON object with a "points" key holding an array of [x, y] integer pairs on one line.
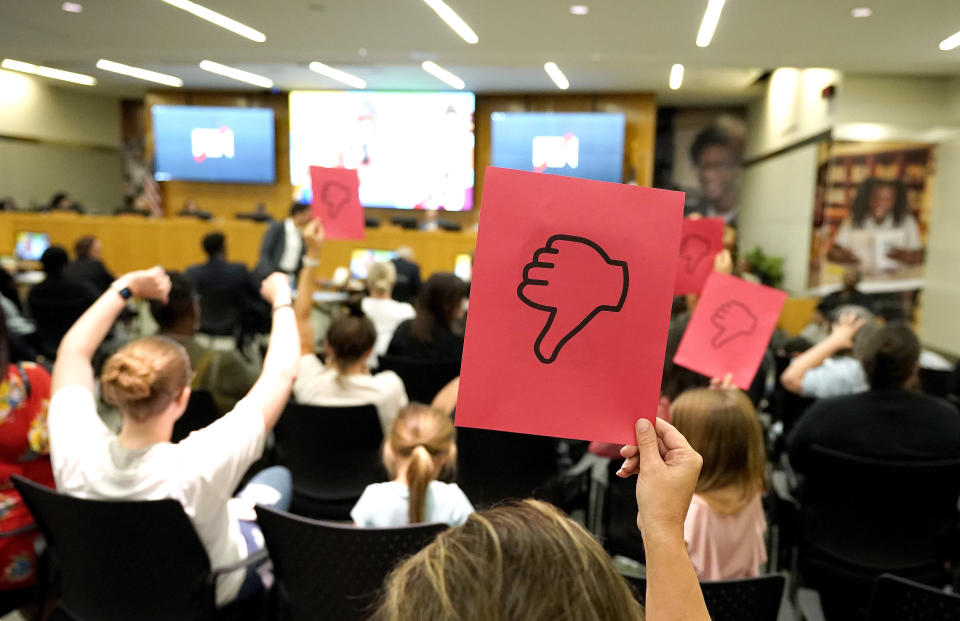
{"points": [[236, 74], [453, 20], [48, 72], [140, 74], [676, 76], [556, 75], [709, 24], [443, 75], [338, 75], [951, 42], [219, 19]]}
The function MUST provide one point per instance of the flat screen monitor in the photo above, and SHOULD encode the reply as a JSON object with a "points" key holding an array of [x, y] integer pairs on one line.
{"points": [[362, 258], [587, 145], [214, 144], [410, 150], [31, 245]]}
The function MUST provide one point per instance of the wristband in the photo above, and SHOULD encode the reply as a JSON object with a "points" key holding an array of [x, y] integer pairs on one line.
{"points": [[279, 306], [310, 262]]}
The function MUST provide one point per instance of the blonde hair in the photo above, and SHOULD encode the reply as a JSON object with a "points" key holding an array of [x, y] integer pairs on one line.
{"points": [[518, 562], [722, 426], [143, 377], [381, 277], [425, 440]]}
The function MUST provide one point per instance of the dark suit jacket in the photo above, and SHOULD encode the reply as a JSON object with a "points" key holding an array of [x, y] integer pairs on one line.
{"points": [[225, 290], [91, 272], [271, 250], [55, 304], [407, 287]]}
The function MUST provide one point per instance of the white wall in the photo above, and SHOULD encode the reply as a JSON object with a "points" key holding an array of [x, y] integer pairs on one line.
{"points": [[56, 138]]}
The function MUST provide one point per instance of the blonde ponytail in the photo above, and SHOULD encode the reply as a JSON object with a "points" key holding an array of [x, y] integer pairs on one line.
{"points": [[420, 472]]}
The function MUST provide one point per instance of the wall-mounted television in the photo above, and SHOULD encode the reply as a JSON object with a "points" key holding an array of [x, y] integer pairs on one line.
{"points": [[410, 150], [587, 145], [214, 144]]}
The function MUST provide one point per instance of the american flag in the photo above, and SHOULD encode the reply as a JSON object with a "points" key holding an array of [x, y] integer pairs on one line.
{"points": [[151, 197]]}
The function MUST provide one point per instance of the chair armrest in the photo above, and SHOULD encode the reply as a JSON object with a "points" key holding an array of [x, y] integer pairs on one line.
{"points": [[253, 559]]}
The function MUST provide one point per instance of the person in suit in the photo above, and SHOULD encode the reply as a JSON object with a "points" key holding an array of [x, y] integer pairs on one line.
{"points": [[407, 286], [282, 247], [225, 288], [57, 302], [88, 267]]}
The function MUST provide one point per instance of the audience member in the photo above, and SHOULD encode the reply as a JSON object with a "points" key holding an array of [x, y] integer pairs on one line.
{"points": [[21, 333], [147, 381], [345, 379], [282, 247], [889, 421], [224, 373], [408, 284], [88, 265], [56, 303], [24, 450], [529, 562], [191, 210], [434, 333], [848, 295], [421, 445], [226, 290], [724, 528], [62, 202], [385, 312], [830, 368]]}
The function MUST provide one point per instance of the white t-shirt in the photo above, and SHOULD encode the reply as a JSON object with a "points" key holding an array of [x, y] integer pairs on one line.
{"points": [[386, 505], [200, 472], [317, 384], [871, 242], [292, 246], [386, 314]]}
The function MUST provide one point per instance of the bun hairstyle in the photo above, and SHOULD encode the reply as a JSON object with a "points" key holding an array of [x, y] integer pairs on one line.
{"points": [[425, 439], [525, 561], [143, 377], [381, 276]]}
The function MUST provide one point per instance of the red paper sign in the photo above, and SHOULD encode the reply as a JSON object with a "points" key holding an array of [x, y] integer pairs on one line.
{"points": [[569, 306], [336, 201], [700, 241], [730, 328]]}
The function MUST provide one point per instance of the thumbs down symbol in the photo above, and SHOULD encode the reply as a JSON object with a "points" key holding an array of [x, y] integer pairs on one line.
{"points": [[334, 195], [732, 319], [573, 279], [692, 250]]}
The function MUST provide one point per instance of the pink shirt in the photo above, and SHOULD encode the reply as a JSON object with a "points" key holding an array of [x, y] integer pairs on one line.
{"points": [[724, 546]]}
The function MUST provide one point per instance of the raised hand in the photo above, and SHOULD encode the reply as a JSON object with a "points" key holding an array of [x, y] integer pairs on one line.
{"points": [[150, 284]]}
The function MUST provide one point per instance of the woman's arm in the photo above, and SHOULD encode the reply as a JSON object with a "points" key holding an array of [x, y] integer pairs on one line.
{"points": [[841, 337], [313, 240], [72, 366]]}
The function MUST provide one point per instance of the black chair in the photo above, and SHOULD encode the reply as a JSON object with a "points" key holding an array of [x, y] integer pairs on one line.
{"points": [[334, 571], [861, 517], [746, 599], [423, 379], [333, 453], [493, 466], [935, 382], [201, 411], [120, 560], [898, 599]]}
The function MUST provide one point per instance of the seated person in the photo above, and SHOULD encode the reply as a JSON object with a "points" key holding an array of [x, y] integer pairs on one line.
{"points": [[225, 288], [191, 210], [888, 421], [725, 525], [434, 333], [408, 284], [345, 378], [529, 562], [61, 202], [848, 295], [57, 302], [88, 266], [147, 381], [421, 445], [830, 368], [224, 373], [385, 312]]}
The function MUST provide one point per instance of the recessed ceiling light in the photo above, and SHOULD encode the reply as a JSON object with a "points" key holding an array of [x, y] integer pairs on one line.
{"points": [[72, 7], [556, 75], [142, 74], [709, 23], [362, 52], [48, 72], [950, 42], [442, 74], [579, 9], [861, 11], [676, 76], [340, 76], [236, 74], [220, 20], [453, 20]]}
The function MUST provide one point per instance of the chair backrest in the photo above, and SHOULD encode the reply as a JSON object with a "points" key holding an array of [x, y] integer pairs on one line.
{"points": [[423, 379], [935, 382], [495, 465], [746, 599], [879, 515], [201, 411], [332, 452], [335, 571], [121, 560], [899, 599]]}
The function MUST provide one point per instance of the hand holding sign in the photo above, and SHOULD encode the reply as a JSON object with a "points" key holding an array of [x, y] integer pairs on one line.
{"points": [[732, 319], [336, 201], [573, 279]]}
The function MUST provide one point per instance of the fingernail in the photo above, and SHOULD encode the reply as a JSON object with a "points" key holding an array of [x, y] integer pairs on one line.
{"points": [[643, 425], [620, 472]]}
